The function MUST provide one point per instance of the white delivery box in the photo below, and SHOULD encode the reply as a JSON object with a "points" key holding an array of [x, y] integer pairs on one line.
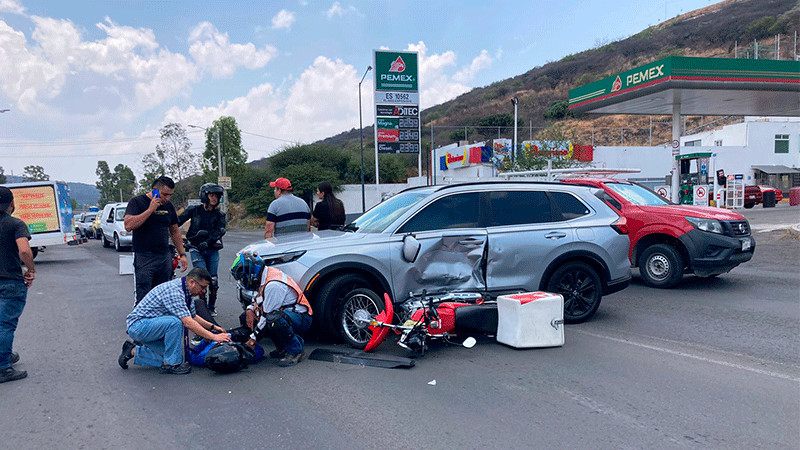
{"points": [[531, 319]]}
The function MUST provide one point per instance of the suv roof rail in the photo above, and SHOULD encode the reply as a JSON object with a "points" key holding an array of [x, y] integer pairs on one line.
{"points": [[485, 183]]}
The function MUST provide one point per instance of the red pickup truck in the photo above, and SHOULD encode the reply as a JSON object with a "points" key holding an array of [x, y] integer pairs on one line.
{"points": [[668, 240], [754, 195]]}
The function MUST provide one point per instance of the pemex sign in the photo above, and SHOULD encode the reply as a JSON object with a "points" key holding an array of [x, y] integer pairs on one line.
{"points": [[397, 124], [396, 71]]}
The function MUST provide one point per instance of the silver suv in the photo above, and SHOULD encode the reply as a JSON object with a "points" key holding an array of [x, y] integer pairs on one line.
{"points": [[490, 237]]}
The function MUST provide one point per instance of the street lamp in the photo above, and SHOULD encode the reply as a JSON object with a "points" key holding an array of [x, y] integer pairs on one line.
{"points": [[4, 110], [514, 102], [361, 129], [224, 206]]}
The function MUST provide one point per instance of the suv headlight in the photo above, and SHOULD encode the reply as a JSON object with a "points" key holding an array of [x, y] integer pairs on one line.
{"points": [[709, 225], [271, 260]]}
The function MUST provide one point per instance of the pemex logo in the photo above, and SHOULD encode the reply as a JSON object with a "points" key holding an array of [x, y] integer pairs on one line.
{"points": [[398, 65], [617, 85]]}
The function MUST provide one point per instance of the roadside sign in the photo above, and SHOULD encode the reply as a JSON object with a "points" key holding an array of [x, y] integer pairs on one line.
{"points": [[396, 71], [700, 195], [397, 124], [225, 182], [663, 191], [397, 98]]}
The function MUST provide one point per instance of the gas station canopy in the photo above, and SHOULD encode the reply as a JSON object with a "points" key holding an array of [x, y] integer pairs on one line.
{"points": [[701, 86]]}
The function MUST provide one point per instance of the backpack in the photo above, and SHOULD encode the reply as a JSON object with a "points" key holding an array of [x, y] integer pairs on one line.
{"points": [[223, 357]]}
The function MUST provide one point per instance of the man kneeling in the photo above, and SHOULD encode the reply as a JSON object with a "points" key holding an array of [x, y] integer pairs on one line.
{"points": [[280, 311], [157, 324]]}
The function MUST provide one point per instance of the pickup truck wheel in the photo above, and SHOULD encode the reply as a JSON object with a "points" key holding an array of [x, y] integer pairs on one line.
{"points": [[581, 287], [357, 309], [661, 266], [749, 205], [106, 243], [331, 297], [117, 247]]}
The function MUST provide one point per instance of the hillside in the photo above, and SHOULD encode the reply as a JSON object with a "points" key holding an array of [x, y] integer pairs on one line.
{"points": [[716, 31]]}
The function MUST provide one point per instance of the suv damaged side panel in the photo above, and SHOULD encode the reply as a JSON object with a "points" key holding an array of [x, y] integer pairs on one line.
{"points": [[450, 261]]}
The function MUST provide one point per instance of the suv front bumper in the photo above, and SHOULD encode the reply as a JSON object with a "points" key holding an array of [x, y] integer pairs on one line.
{"points": [[714, 254]]}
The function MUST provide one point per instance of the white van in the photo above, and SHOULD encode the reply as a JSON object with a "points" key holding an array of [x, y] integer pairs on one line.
{"points": [[112, 222]]}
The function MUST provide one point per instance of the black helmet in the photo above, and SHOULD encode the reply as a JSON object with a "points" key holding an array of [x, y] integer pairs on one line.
{"points": [[210, 188], [226, 358]]}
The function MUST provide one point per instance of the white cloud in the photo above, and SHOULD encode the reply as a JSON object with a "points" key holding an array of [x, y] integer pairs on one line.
{"points": [[283, 20], [11, 6], [214, 53], [467, 74], [336, 10]]}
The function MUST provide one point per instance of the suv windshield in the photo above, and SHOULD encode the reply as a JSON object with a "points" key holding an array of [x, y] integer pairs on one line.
{"points": [[381, 216], [638, 195]]}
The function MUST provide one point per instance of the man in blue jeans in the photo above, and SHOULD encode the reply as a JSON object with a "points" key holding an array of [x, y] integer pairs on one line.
{"points": [[158, 322], [14, 251]]}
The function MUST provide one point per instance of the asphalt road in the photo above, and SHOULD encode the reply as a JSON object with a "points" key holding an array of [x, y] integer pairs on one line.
{"points": [[712, 363]]}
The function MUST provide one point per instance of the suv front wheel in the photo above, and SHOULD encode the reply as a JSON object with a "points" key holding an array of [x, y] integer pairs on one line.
{"points": [[581, 287], [352, 319], [340, 301]]}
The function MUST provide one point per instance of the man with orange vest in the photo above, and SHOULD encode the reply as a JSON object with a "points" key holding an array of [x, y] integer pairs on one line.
{"points": [[281, 312]]}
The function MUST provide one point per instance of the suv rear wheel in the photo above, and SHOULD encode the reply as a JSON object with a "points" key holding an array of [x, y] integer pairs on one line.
{"points": [[581, 287], [661, 266]]}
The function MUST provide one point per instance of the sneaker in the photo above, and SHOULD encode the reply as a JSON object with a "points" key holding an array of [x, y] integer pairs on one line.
{"points": [[11, 374], [14, 358], [126, 354], [291, 360], [177, 369], [213, 312], [277, 354]]}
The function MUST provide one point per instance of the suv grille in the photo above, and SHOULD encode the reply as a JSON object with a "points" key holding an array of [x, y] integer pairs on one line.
{"points": [[739, 227]]}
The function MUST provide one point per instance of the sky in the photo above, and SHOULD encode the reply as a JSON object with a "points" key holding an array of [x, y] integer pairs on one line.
{"points": [[95, 80]]}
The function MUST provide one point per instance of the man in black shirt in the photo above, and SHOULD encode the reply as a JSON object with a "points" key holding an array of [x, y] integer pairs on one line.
{"points": [[153, 220], [14, 251]]}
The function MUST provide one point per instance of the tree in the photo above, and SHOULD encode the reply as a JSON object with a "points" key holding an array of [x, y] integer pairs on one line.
{"points": [[174, 151], [124, 182], [230, 138], [558, 110], [35, 173], [104, 184], [2, 175], [172, 157], [116, 186]]}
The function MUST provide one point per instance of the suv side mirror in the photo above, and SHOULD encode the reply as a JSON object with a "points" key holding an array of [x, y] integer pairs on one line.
{"points": [[411, 247]]}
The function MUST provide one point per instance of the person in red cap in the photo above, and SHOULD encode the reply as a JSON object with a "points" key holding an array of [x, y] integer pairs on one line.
{"points": [[287, 213]]}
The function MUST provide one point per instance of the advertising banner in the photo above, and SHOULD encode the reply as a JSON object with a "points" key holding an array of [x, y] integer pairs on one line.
{"points": [[37, 207]]}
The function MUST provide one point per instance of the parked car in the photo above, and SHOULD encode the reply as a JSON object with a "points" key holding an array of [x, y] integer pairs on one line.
{"points": [[113, 226], [667, 240], [753, 195], [97, 230], [493, 238], [83, 224]]}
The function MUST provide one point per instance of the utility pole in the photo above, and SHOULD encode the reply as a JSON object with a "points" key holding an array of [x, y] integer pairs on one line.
{"points": [[514, 101]]}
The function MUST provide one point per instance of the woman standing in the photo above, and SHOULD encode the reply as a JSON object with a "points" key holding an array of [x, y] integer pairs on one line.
{"points": [[329, 212]]}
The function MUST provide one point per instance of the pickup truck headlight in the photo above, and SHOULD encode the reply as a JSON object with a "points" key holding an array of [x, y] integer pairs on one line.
{"points": [[271, 260], [709, 225]]}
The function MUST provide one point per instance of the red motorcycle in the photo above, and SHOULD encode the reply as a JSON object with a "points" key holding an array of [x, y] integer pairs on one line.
{"points": [[434, 318]]}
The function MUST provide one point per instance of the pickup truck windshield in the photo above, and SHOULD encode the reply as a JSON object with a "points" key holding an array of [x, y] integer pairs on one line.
{"points": [[638, 195]]}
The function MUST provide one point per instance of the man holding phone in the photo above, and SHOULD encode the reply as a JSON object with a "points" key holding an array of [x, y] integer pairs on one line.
{"points": [[153, 220]]}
